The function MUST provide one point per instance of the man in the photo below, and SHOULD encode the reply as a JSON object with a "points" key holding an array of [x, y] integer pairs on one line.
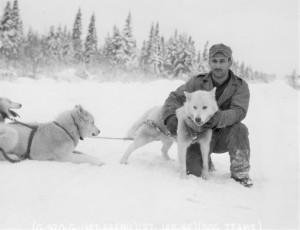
{"points": [[229, 134]]}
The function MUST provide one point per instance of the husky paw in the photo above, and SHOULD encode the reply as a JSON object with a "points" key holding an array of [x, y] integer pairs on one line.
{"points": [[101, 163], [123, 162], [14, 157], [167, 158], [204, 175]]}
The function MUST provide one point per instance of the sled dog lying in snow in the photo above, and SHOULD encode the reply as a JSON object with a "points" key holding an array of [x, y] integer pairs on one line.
{"points": [[50, 141], [6, 107], [199, 107]]}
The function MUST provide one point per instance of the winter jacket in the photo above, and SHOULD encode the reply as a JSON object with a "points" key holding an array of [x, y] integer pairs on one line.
{"points": [[233, 103]]}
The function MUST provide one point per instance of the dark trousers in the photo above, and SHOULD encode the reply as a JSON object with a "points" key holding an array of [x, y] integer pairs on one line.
{"points": [[233, 139]]}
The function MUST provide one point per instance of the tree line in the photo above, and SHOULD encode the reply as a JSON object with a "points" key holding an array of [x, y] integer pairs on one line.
{"points": [[62, 47]]}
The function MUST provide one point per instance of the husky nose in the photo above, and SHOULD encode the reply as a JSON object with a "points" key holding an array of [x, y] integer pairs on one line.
{"points": [[97, 133], [198, 120]]}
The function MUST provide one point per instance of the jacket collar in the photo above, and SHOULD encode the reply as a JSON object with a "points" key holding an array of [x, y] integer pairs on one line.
{"points": [[228, 90], [208, 78]]}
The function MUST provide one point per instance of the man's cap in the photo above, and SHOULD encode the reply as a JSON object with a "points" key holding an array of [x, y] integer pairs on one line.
{"points": [[220, 48]]}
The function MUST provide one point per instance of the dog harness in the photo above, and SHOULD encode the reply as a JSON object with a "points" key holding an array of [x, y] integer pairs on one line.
{"points": [[27, 154], [195, 134], [66, 131], [151, 123]]}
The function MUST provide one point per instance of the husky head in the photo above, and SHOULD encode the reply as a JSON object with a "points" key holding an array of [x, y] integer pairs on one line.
{"points": [[200, 106], [85, 122], [6, 107]]}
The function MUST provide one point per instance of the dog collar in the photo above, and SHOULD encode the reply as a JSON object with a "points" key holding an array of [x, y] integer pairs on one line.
{"points": [[66, 131]]}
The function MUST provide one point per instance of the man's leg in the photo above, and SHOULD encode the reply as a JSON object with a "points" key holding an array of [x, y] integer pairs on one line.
{"points": [[194, 163], [234, 139], [194, 160]]}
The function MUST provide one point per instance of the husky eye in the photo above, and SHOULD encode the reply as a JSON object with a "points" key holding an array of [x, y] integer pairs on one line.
{"points": [[204, 107], [195, 107]]}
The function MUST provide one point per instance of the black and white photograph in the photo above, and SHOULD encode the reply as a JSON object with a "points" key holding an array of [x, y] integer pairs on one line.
{"points": [[149, 114]]}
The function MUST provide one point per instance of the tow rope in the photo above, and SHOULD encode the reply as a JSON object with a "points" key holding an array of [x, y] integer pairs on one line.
{"points": [[149, 122]]}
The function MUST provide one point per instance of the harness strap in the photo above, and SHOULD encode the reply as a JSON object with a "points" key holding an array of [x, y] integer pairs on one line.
{"points": [[66, 131], [31, 135], [151, 123], [33, 131]]}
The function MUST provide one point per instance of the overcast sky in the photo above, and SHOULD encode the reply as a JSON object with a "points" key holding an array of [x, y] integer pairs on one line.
{"points": [[262, 33]]}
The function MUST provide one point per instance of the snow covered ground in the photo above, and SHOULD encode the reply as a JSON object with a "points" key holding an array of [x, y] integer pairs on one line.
{"points": [[148, 193]]}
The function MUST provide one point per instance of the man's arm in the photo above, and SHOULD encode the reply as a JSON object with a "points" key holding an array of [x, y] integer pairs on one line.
{"points": [[238, 108]]}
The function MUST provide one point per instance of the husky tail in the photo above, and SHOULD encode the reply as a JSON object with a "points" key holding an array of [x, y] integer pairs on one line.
{"points": [[136, 125]]}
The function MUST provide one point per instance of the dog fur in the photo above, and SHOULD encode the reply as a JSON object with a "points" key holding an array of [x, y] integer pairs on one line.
{"points": [[6, 107], [199, 107], [143, 133], [52, 142]]}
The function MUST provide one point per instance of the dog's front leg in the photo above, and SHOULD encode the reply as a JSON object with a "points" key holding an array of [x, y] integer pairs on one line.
{"points": [[79, 158], [182, 147], [205, 148]]}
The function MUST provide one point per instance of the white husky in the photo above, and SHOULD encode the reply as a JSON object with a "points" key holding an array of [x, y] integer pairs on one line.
{"points": [[50, 141], [199, 107]]}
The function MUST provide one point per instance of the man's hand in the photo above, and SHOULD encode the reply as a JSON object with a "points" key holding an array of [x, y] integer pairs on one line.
{"points": [[213, 122], [172, 123]]}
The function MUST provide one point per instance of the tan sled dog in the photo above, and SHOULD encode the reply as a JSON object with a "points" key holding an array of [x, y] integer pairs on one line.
{"points": [[50, 141], [6, 107], [150, 127]]}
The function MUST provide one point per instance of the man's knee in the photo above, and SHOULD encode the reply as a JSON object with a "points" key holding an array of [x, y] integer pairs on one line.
{"points": [[239, 129], [238, 137]]}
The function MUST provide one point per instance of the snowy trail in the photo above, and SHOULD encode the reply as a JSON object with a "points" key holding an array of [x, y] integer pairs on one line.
{"points": [[149, 192]]}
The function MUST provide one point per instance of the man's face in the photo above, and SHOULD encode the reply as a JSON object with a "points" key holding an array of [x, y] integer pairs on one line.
{"points": [[219, 65]]}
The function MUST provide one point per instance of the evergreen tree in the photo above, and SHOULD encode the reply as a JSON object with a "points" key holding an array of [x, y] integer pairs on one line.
{"points": [[18, 27], [185, 62], [153, 58], [130, 48], [171, 53], [33, 52], [90, 46], [50, 48], [67, 47], [143, 56], [7, 33], [158, 51], [198, 61], [76, 38], [117, 55], [205, 59], [147, 58]]}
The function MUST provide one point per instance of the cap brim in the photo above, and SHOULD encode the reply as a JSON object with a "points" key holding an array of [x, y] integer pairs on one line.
{"points": [[220, 51]]}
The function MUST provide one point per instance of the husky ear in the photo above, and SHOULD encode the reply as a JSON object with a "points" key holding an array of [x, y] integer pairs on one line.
{"points": [[79, 108], [187, 95]]}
